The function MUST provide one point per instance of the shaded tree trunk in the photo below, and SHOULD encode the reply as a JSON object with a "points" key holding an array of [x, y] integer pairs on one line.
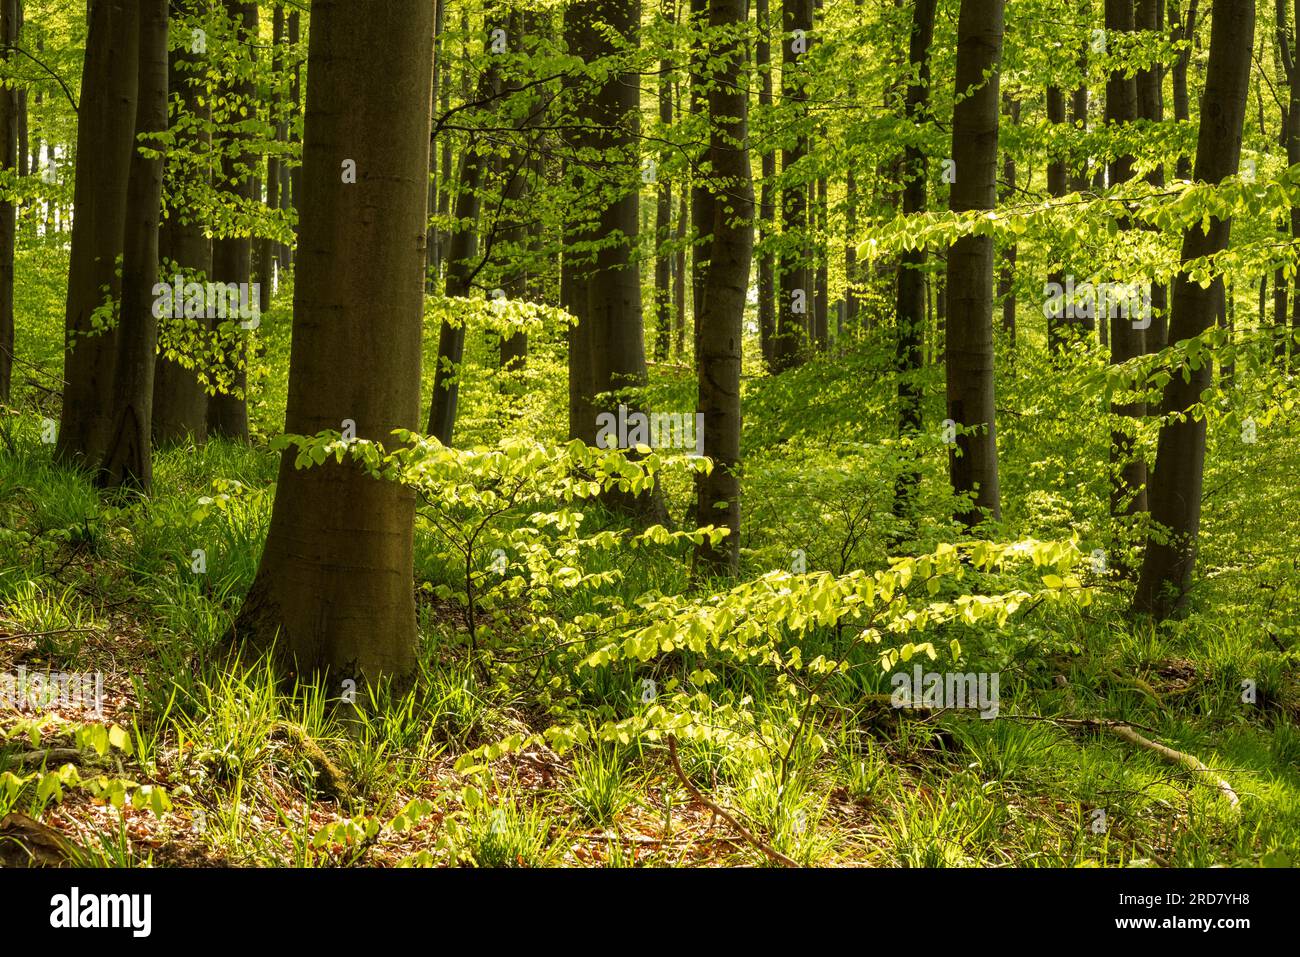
{"points": [[106, 125], [1127, 333], [793, 275], [128, 459], [334, 591], [1149, 16], [973, 459], [232, 256], [721, 332], [766, 206], [12, 153], [910, 304], [180, 400], [1176, 480]]}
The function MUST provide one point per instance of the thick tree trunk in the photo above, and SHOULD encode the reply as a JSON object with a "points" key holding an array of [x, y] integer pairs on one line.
{"points": [[106, 125], [1127, 333], [232, 256], [910, 306], [334, 590], [721, 331], [793, 274], [973, 460], [1177, 477], [180, 400], [128, 459]]}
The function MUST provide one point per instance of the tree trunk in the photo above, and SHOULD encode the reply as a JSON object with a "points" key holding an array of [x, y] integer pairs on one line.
{"points": [[607, 352], [1007, 276], [334, 590], [702, 199], [1151, 106], [1177, 477], [766, 206], [1058, 186], [973, 460], [793, 275], [721, 331], [180, 400], [128, 459], [232, 256], [11, 151], [462, 253], [664, 221], [1127, 333], [106, 125], [909, 343], [1185, 31]]}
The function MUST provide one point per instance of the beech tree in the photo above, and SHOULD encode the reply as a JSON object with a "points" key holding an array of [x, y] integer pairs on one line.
{"points": [[334, 589], [973, 458], [106, 131], [721, 314], [128, 459], [1179, 471]]}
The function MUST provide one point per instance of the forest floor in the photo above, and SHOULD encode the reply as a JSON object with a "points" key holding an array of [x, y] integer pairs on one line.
{"points": [[221, 766]]}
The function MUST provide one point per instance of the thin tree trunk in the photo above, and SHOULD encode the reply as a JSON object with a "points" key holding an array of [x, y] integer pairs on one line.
{"points": [[767, 206], [462, 253], [334, 590], [1127, 333], [721, 332], [1007, 275], [1058, 186], [973, 460], [1150, 16], [793, 276], [1176, 480], [1186, 31], [180, 400], [909, 357], [12, 152], [232, 256], [663, 300]]}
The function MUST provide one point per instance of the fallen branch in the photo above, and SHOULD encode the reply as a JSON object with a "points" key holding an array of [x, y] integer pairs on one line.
{"points": [[1124, 731], [772, 853], [47, 756], [1197, 767]]}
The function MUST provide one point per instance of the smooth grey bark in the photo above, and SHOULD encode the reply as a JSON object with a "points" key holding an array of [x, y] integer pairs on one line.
{"points": [[334, 591]]}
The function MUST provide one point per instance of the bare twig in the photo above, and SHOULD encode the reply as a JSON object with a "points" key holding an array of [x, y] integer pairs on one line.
{"points": [[721, 812]]}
